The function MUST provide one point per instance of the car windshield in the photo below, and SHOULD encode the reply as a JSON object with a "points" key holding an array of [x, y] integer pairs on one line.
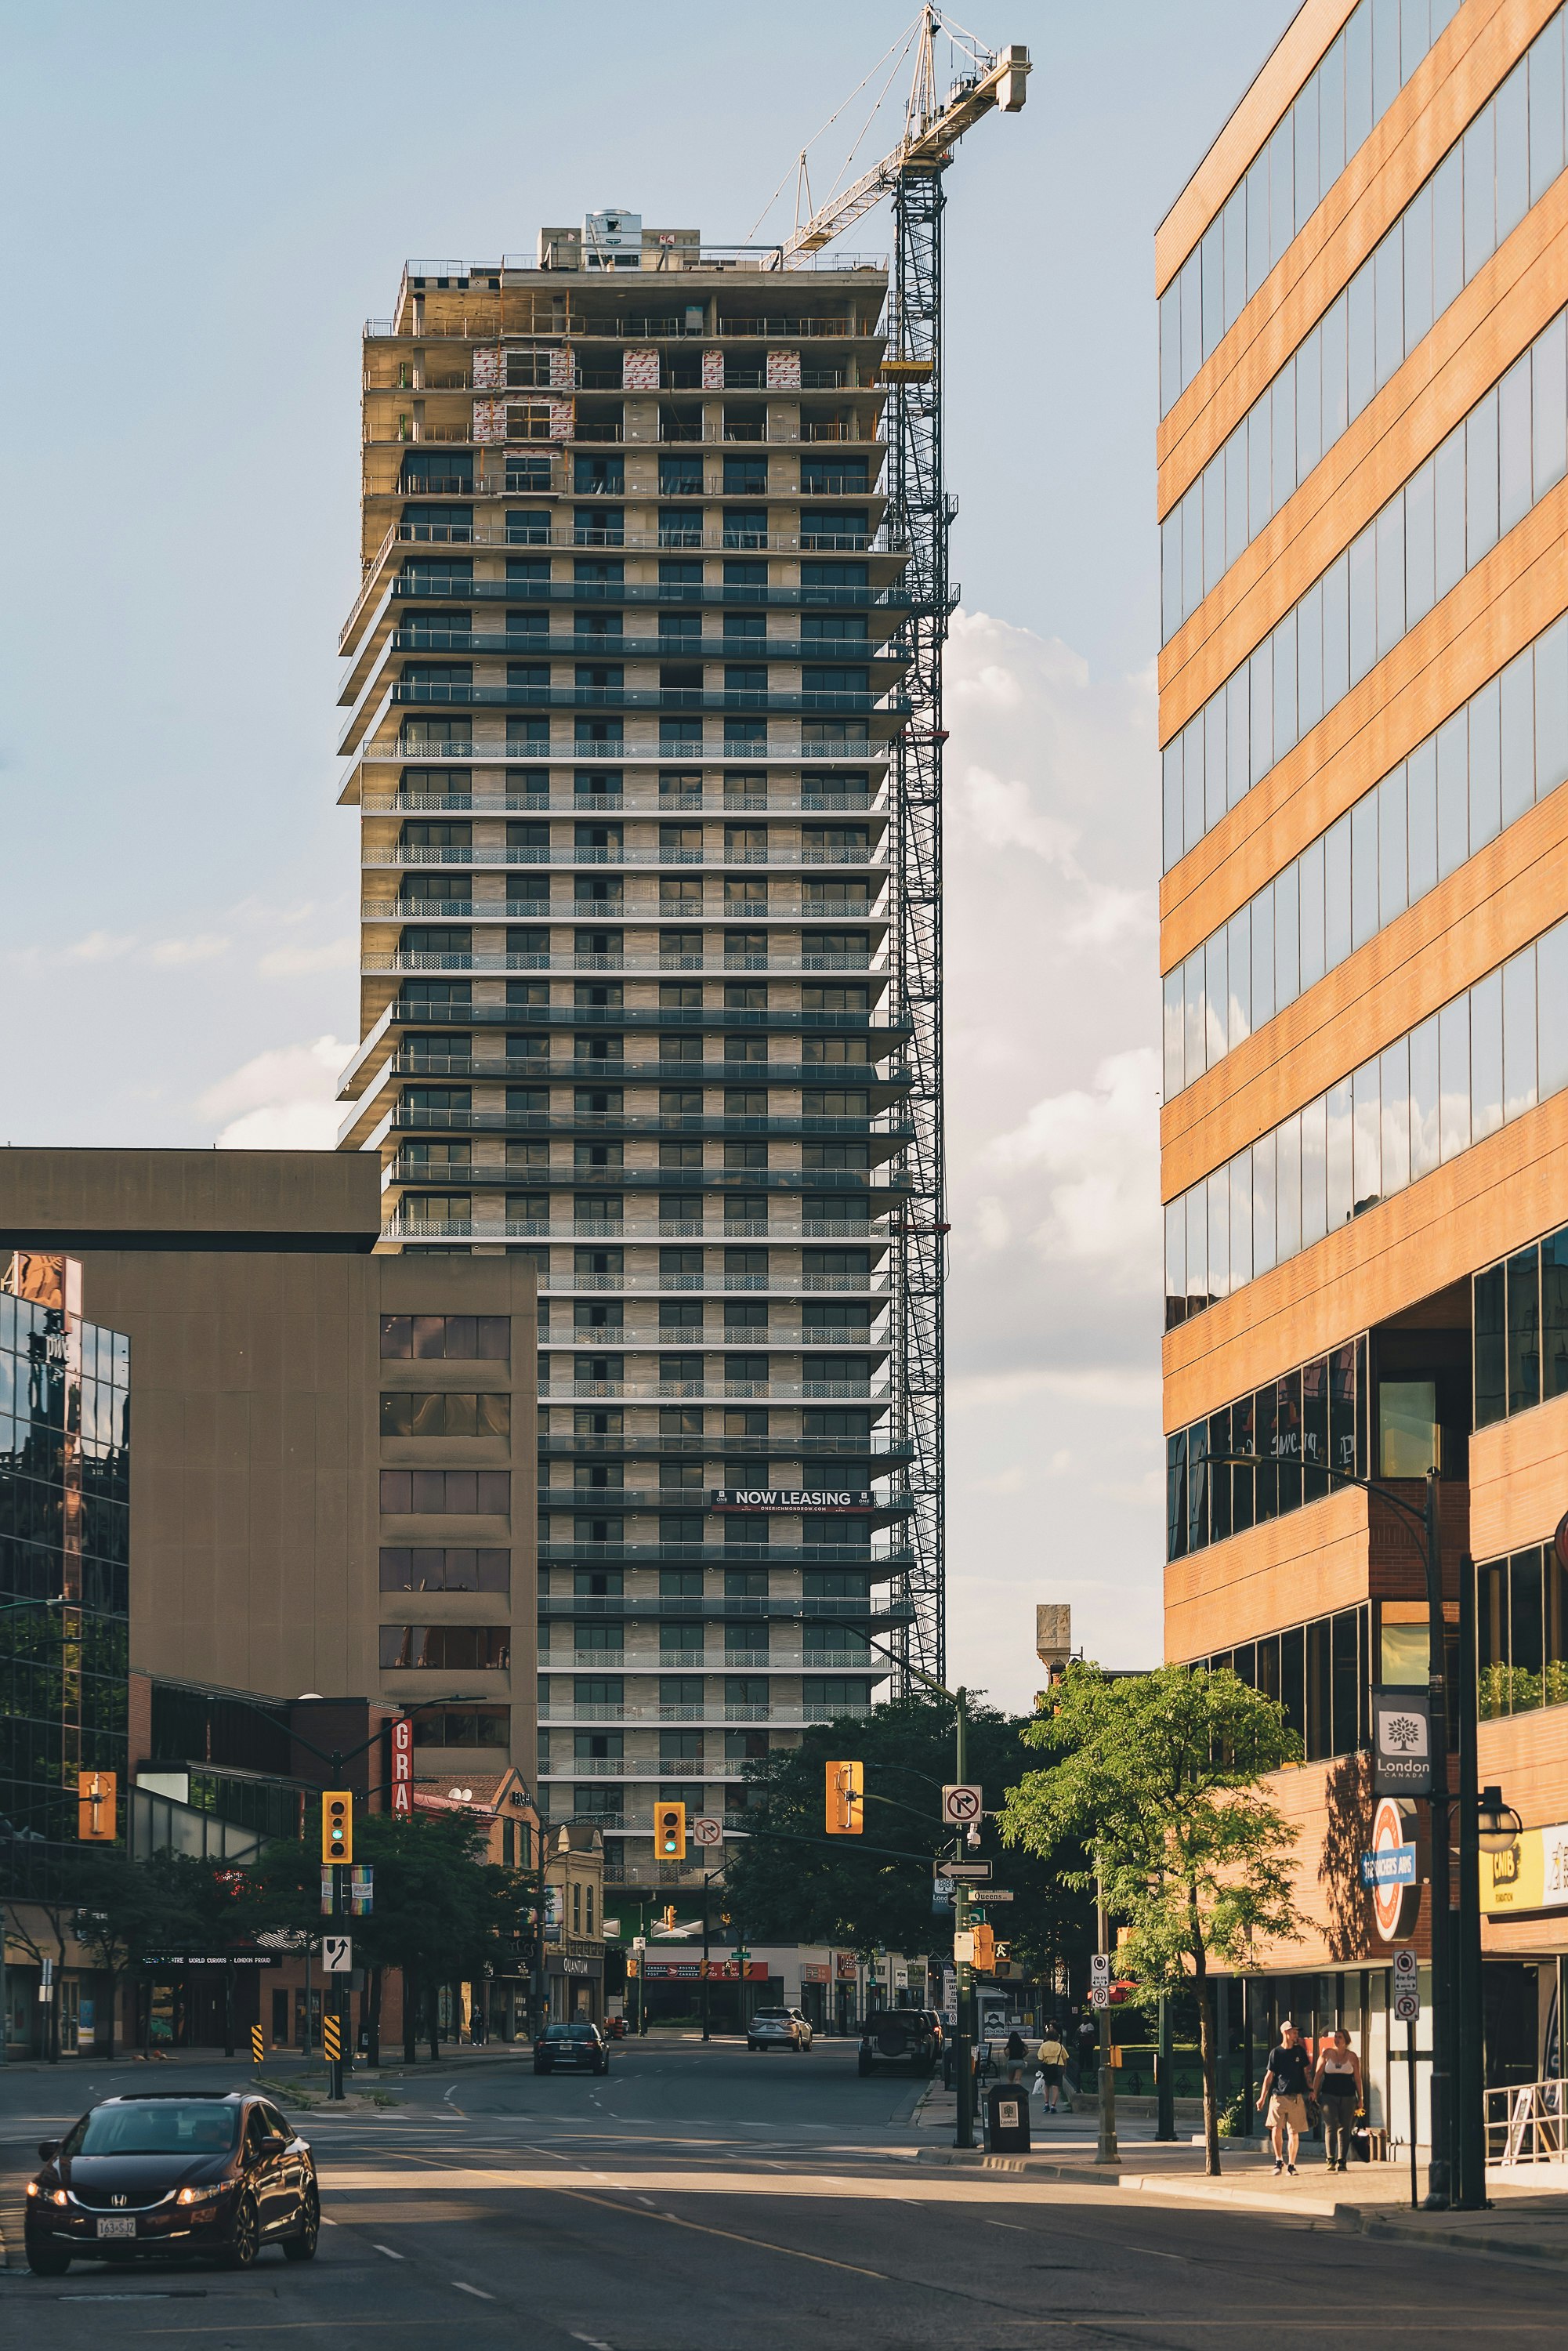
{"points": [[182, 2126], [569, 2032], [771, 2016]]}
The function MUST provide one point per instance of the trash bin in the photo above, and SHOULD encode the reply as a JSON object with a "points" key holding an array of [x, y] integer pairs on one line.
{"points": [[1007, 2118]]}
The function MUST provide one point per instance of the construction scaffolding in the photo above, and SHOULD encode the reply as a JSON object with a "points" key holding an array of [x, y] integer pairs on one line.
{"points": [[919, 516]]}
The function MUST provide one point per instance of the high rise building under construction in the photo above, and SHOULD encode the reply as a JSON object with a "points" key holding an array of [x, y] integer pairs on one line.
{"points": [[625, 689]]}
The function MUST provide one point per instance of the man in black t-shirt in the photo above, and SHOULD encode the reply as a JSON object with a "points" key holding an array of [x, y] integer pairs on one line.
{"points": [[1284, 2093]]}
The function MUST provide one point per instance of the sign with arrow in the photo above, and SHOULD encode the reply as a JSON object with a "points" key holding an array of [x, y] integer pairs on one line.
{"points": [[971, 1871]]}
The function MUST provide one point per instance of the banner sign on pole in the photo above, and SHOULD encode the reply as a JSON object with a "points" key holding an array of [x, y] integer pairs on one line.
{"points": [[1402, 1743]]}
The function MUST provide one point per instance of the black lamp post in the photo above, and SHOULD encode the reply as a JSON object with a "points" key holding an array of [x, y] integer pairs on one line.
{"points": [[1439, 2172]]}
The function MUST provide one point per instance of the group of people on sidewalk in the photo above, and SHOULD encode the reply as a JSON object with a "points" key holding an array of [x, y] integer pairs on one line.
{"points": [[1335, 2081]]}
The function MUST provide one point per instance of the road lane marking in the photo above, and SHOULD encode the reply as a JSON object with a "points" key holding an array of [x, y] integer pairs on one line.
{"points": [[389, 2253], [478, 2291], [1017, 2225], [592, 2342]]}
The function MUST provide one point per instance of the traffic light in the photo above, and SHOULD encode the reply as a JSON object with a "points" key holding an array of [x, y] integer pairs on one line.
{"points": [[669, 1917], [336, 1825], [985, 1949], [846, 1799], [670, 1832], [95, 1806]]}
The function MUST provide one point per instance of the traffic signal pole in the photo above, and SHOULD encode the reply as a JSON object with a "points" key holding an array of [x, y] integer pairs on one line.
{"points": [[964, 2040]]}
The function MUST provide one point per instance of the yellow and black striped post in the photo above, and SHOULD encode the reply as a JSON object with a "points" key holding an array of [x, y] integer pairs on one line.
{"points": [[257, 2044], [331, 2040]]}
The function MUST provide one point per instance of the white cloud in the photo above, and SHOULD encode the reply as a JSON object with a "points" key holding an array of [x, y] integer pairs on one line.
{"points": [[1051, 855], [199, 949], [290, 963], [283, 1100]]}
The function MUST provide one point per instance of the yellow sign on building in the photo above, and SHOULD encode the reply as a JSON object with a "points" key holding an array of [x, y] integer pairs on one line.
{"points": [[1531, 1875]]}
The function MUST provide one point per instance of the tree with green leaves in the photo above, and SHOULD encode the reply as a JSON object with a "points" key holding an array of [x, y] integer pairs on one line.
{"points": [[1156, 1792], [441, 1913], [789, 1881]]}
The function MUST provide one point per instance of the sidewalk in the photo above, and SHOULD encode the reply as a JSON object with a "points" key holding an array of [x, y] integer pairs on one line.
{"points": [[1527, 2219]]}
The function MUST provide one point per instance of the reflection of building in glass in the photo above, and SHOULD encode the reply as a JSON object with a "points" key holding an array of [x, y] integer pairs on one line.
{"points": [[65, 1485], [1363, 727]]}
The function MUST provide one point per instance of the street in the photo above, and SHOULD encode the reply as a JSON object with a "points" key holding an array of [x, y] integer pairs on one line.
{"points": [[702, 2199]]}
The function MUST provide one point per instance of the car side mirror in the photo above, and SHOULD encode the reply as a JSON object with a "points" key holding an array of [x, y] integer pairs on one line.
{"points": [[47, 2149], [273, 2143]]}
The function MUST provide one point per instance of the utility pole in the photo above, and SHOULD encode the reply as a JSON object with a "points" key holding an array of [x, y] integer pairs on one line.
{"points": [[963, 2040], [1165, 2084], [1439, 2170], [1107, 2151], [707, 2035]]}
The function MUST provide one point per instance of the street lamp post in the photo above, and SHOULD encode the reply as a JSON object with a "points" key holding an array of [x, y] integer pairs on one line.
{"points": [[1439, 2171], [963, 2039]]}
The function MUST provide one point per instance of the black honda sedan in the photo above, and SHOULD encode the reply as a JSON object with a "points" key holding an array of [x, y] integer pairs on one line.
{"points": [[174, 2172], [578, 2044]]}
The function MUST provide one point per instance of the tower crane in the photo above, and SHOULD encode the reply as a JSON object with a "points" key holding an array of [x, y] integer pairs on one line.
{"points": [[919, 516]]}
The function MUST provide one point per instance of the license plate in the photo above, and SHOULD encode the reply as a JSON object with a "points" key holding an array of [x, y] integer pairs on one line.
{"points": [[126, 2227]]}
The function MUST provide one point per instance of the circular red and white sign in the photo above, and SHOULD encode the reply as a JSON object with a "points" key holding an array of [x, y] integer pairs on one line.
{"points": [[1393, 1903], [1559, 1540]]}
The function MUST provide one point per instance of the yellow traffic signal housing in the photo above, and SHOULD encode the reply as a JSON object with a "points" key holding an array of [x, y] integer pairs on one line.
{"points": [[95, 1806], [846, 1799], [669, 1916], [670, 1832], [985, 1949], [336, 1825]]}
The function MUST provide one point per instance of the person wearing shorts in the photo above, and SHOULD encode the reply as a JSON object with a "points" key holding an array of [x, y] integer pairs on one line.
{"points": [[1052, 2058], [1284, 2094]]}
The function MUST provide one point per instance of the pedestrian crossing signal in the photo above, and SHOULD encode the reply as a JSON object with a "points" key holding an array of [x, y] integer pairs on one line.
{"points": [[332, 2039], [670, 1832], [846, 1799], [257, 2044], [336, 1825], [985, 1949]]}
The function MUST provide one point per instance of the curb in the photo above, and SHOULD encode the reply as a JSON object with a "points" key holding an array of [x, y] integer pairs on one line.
{"points": [[1362, 2223]]}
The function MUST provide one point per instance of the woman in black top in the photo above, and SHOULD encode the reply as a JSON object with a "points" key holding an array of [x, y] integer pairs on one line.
{"points": [[1337, 2084], [1284, 2093]]}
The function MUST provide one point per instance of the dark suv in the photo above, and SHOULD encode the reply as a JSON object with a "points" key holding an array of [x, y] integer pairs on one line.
{"points": [[173, 2172], [898, 2036]]}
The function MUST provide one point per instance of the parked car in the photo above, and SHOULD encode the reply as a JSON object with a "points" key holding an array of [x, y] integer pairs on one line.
{"points": [[778, 2028], [167, 2172], [578, 2044], [802, 2020], [897, 2036]]}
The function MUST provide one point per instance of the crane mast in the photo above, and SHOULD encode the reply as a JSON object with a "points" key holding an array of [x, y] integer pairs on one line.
{"points": [[919, 516]]}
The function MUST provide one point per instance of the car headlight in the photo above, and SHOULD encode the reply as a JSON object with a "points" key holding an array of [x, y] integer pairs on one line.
{"points": [[200, 2194], [59, 2196]]}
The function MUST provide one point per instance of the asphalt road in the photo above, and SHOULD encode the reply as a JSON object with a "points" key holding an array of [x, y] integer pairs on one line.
{"points": [[703, 2199]]}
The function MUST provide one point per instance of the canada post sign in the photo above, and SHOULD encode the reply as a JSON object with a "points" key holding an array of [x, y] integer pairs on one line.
{"points": [[783, 1498], [1401, 1743]]}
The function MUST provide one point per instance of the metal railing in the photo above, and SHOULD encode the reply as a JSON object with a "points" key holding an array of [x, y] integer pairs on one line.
{"points": [[469, 959], [1527, 2123], [419, 853]]}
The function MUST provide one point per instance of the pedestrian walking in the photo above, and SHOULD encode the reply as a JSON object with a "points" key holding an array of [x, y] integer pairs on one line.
{"points": [[1284, 2093], [1053, 2060], [1016, 2053], [1088, 2049], [1336, 2086]]}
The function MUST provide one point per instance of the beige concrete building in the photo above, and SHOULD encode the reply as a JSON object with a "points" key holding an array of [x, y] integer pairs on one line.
{"points": [[332, 1470]]}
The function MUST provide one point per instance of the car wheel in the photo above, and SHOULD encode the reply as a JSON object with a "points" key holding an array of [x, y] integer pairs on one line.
{"points": [[43, 2261], [301, 2247], [244, 2237]]}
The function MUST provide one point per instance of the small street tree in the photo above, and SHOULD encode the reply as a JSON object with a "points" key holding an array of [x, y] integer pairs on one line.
{"points": [[788, 1881], [1157, 1780]]}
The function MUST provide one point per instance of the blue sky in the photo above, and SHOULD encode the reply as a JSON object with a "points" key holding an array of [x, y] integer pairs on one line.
{"points": [[203, 205]]}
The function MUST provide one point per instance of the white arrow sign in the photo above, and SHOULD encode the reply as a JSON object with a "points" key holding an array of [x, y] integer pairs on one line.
{"points": [[336, 1955]]}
